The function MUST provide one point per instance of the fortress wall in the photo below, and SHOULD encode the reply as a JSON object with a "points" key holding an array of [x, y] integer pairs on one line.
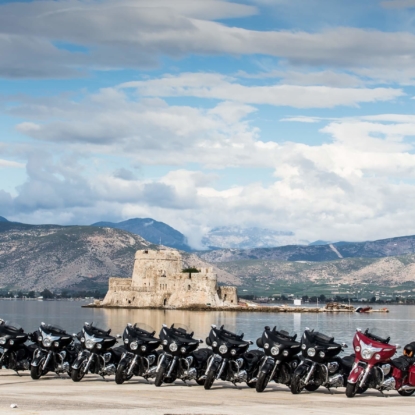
{"points": [[228, 295]]}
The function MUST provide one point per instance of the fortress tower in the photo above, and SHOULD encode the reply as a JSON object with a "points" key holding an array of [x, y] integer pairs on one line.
{"points": [[159, 282]]}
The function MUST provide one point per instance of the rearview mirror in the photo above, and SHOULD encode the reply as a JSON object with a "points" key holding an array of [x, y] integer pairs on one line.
{"points": [[345, 345], [398, 346], [118, 336], [200, 341]]}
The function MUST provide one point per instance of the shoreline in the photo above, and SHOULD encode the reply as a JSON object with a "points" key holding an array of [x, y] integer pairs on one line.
{"points": [[249, 309]]}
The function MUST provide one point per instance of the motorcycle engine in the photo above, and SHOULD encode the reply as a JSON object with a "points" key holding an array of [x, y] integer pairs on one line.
{"points": [[333, 367]]}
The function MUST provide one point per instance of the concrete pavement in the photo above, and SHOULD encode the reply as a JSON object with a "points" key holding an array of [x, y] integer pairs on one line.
{"points": [[95, 396]]}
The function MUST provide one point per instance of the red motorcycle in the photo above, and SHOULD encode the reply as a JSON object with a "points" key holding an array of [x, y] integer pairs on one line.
{"points": [[371, 368], [404, 371]]}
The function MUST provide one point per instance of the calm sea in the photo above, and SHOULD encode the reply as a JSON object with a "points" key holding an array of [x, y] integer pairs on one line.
{"points": [[399, 323]]}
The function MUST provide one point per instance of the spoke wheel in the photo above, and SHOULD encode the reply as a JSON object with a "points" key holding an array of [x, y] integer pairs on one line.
{"points": [[296, 382]]}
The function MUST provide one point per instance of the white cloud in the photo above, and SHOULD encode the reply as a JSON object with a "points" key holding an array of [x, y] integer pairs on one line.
{"points": [[11, 164], [217, 86]]}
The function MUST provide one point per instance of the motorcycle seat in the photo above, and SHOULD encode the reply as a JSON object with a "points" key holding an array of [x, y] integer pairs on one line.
{"points": [[348, 361]]}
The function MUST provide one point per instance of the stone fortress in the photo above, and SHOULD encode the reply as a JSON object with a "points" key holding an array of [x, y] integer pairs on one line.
{"points": [[158, 281]]}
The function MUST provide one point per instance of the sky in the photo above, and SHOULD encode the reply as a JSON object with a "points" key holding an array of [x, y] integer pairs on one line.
{"points": [[290, 115]]}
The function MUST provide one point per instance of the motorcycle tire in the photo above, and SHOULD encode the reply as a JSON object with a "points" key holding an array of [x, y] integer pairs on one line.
{"points": [[159, 376], [200, 382], [351, 389], [210, 378], [35, 372], [262, 382], [311, 388], [295, 385], [406, 393], [251, 385], [78, 374]]}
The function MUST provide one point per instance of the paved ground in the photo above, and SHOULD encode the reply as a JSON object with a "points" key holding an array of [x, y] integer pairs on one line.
{"points": [[94, 396]]}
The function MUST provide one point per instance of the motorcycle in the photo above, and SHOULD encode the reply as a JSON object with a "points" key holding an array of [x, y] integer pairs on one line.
{"points": [[280, 360], [97, 355], [15, 354], [55, 352], [180, 359], [231, 360], [320, 365], [140, 357], [371, 367], [404, 371]]}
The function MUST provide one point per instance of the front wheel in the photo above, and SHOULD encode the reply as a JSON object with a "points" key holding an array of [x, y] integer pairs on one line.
{"points": [[121, 374], [210, 378], [200, 382], [160, 376], [406, 393], [351, 389], [311, 387], [296, 383], [262, 382], [36, 371], [78, 374], [251, 384]]}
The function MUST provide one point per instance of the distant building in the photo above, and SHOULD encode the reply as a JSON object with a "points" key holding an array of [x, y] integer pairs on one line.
{"points": [[158, 281]]}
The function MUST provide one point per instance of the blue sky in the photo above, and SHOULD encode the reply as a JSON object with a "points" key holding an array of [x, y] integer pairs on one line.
{"points": [[289, 115]]}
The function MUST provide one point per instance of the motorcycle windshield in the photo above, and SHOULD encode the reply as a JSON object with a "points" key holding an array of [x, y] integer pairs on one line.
{"points": [[9, 328], [379, 334], [144, 329], [55, 328]]}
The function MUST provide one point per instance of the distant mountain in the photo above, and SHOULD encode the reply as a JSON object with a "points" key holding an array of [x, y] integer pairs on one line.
{"points": [[152, 231], [2, 219], [248, 238], [370, 249], [35, 257], [319, 242]]}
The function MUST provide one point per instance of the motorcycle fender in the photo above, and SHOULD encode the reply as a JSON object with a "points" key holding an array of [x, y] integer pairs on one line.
{"points": [[268, 365], [39, 357], [302, 369], [78, 361], [356, 374]]}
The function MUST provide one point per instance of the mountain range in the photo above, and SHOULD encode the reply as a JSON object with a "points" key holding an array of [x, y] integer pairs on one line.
{"points": [[152, 231]]}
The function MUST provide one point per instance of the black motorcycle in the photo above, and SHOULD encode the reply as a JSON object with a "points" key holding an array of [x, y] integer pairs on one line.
{"points": [[231, 360], [15, 354], [55, 352], [97, 355], [180, 359], [280, 360], [321, 366], [140, 356]]}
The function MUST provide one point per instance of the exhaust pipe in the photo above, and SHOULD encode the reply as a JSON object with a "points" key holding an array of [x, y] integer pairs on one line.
{"points": [[406, 388]]}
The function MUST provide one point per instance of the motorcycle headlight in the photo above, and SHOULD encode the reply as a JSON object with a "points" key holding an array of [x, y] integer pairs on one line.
{"points": [[56, 344], [40, 338], [2, 340], [99, 346], [275, 350], [223, 349], [377, 356], [266, 346], [82, 339], [357, 349], [214, 344], [303, 346], [173, 347], [311, 351], [11, 342], [89, 344], [233, 352], [133, 345], [143, 348], [322, 354], [367, 354], [46, 342], [183, 349], [165, 342], [285, 353], [126, 341]]}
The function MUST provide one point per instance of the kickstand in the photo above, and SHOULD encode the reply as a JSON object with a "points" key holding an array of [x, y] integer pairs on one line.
{"points": [[381, 391], [332, 393], [18, 374]]}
